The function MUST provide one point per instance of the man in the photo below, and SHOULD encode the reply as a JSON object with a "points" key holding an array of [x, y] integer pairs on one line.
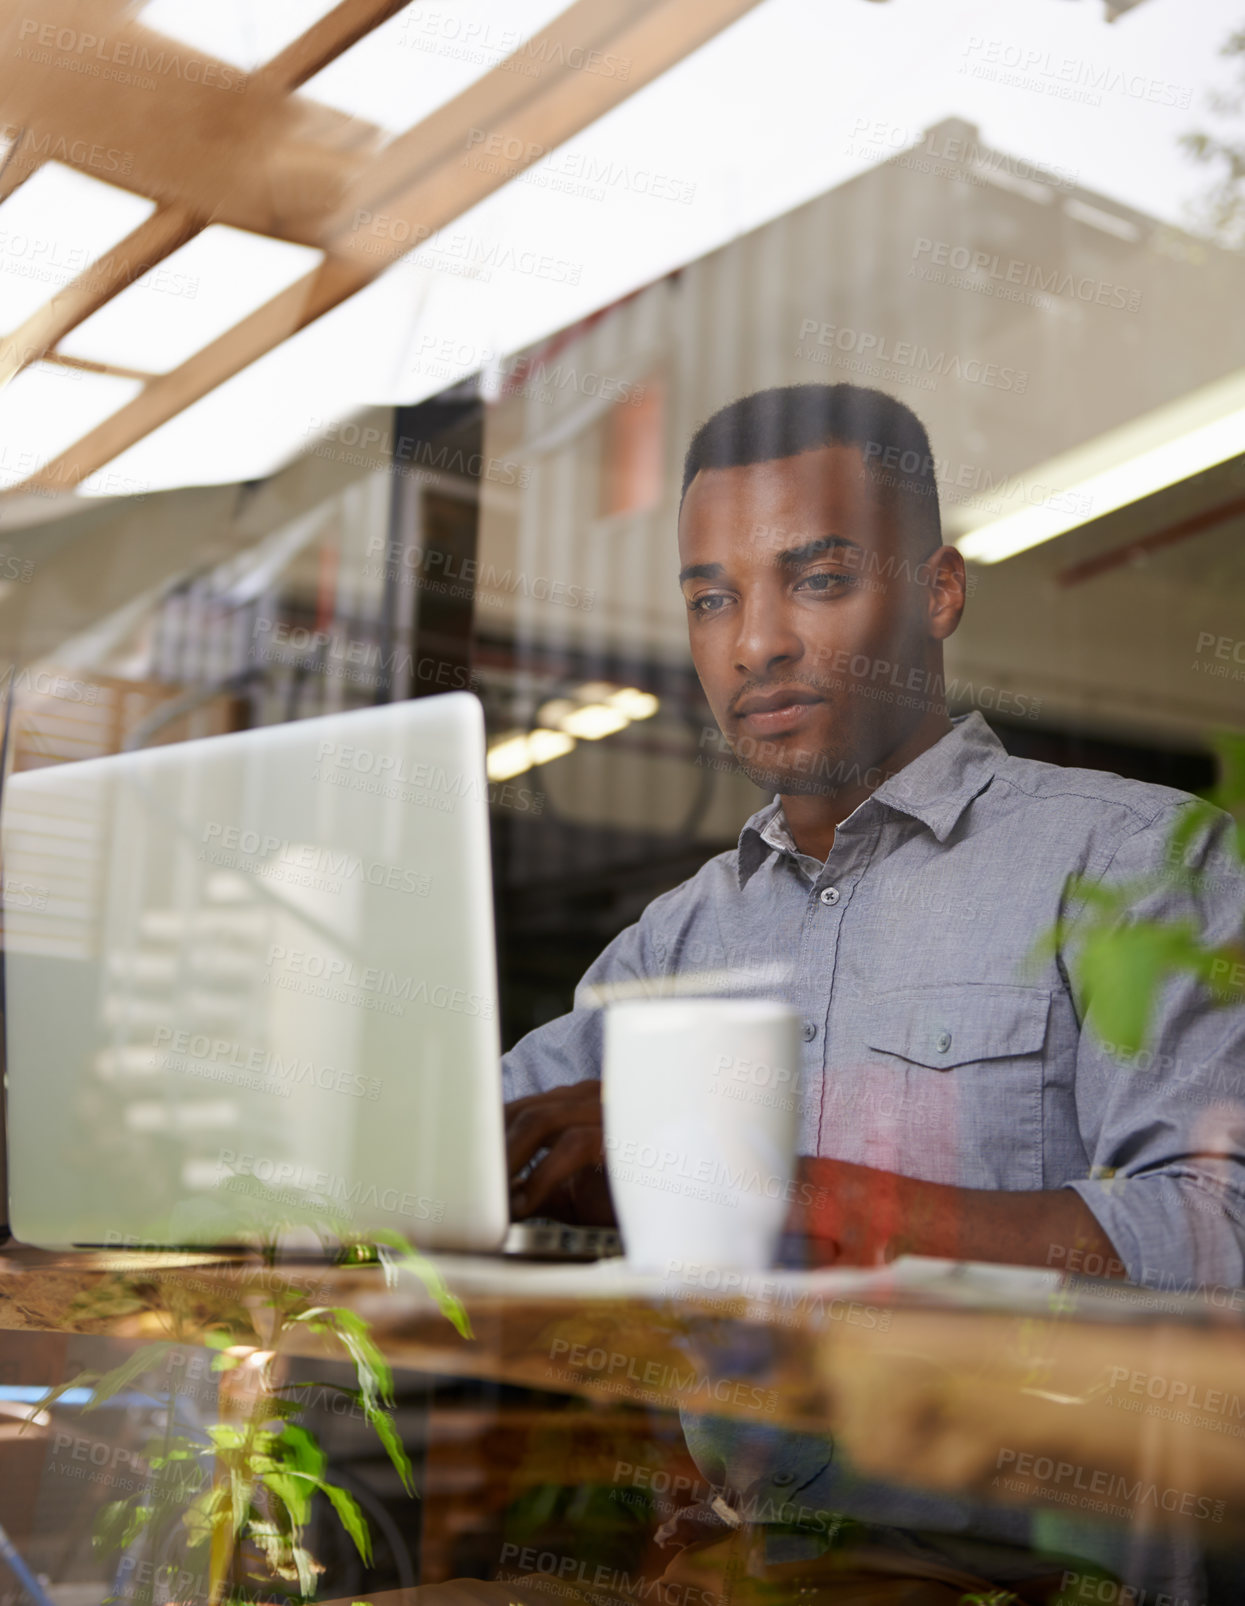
{"points": [[954, 1102]]}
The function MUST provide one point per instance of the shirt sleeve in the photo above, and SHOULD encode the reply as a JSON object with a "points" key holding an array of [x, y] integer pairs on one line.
{"points": [[568, 1049], [1165, 1128]]}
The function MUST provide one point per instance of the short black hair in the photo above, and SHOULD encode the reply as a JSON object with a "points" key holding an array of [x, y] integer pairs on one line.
{"points": [[790, 419]]}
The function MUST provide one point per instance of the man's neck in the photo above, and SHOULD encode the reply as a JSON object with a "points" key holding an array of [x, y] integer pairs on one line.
{"points": [[814, 817]]}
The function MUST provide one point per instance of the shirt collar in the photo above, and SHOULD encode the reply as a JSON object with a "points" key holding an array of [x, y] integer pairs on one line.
{"points": [[935, 789]]}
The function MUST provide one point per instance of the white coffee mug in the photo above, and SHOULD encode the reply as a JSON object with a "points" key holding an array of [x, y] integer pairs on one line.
{"points": [[701, 1109]]}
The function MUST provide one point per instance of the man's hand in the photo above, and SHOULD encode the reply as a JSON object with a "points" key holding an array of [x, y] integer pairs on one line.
{"points": [[569, 1183], [852, 1215]]}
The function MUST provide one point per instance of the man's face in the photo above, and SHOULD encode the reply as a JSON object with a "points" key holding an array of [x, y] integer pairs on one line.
{"points": [[813, 621]]}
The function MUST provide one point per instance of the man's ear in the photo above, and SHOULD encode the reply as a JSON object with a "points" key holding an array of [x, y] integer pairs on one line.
{"points": [[948, 591]]}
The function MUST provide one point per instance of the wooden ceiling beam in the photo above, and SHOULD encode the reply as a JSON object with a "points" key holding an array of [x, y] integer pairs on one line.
{"points": [[146, 113], [329, 38], [422, 181], [147, 245]]}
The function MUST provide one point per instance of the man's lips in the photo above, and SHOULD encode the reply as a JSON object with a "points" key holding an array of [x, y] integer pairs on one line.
{"points": [[773, 713]]}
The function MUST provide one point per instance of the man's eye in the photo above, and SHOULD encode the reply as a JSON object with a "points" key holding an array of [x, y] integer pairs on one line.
{"points": [[710, 603], [826, 580]]}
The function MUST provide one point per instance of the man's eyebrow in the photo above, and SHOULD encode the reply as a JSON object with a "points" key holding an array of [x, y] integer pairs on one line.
{"points": [[701, 571], [792, 557]]}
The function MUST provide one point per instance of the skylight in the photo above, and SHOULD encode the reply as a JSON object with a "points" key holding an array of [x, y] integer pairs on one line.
{"points": [[189, 299], [245, 33], [52, 228], [425, 55], [47, 408]]}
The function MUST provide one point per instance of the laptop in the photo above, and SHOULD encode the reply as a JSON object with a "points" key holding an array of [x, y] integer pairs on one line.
{"points": [[252, 990]]}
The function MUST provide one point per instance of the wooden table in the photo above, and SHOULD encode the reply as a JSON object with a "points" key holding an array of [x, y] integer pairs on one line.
{"points": [[1011, 1387]]}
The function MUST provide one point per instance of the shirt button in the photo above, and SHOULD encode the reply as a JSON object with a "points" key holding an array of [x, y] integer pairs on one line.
{"points": [[810, 1031], [942, 1042], [830, 895]]}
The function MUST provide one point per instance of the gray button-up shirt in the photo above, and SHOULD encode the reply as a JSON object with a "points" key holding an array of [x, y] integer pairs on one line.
{"points": [[935, 1045]]}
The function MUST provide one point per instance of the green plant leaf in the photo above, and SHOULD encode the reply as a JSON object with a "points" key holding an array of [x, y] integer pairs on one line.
{"points": [[201, 1516], [1122, 971], [300, 1450], [46, 1401], [119, 1524], [382, 1424], [239, 1499], [355, 1337], [304, 1565], [294, 1490], [351, 1519], [143, 1360], [408, 1258]]}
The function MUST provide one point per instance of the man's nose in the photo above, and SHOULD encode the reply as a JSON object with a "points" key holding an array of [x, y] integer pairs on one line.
{"points": [[766, 637]]}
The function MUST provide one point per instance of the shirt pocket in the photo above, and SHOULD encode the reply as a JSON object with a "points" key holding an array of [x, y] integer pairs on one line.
{"points": [[971, 1063]]}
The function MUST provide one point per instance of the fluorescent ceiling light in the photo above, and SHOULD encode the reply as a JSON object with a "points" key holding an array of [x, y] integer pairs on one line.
{"points": [[189, 299], [47, 408], [245, 33], [634, 703], [593, 721], [423, 56], [1144, 456], [599, 710], [52, 228], [513, 755]]}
